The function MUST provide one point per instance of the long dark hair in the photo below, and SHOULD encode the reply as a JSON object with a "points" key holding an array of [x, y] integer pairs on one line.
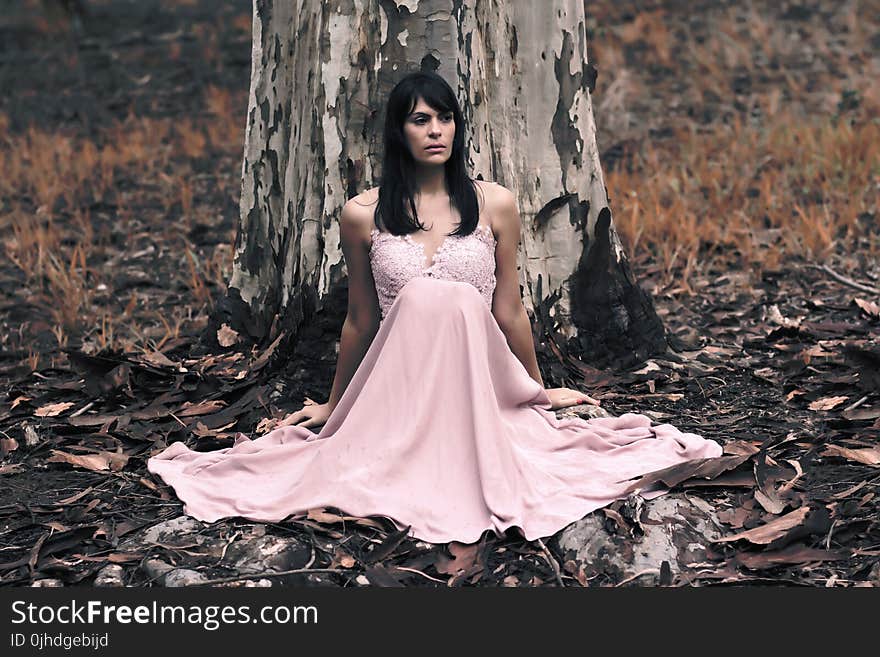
{"points": [[396, 209]]}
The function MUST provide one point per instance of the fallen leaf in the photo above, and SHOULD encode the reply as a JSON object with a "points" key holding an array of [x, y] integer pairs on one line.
{"points": [[75, 497], [707, 468], [793, 394], [19, 399], [51, 410], [826, 403], [7, 445], [788, 555], [202, 408], [862, 413], [867, 455], [771, 531], [463, 557], [771, 503], [158, 359], [869, 307], [227, 336], [342, 559], [323, 516], [97, 462]]}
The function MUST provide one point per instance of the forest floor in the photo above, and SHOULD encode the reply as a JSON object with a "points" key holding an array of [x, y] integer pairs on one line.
{"points": [[741, 153]]}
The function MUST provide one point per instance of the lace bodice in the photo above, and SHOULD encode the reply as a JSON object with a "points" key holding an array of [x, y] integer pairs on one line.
{"points": [[396, 259]]}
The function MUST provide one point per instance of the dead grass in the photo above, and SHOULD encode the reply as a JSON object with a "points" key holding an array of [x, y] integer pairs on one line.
{"points": [[51, 181], [787, 169]]}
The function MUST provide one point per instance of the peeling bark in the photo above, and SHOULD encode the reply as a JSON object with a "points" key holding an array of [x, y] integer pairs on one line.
{"points": [[321, 71]]}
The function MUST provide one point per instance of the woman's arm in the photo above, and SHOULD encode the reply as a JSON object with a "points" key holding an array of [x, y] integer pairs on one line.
{"points": [[361, 320], [362, 317], [353, 344], [507, 306]]}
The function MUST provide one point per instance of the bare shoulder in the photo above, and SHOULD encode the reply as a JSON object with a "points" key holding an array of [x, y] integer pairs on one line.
{"points": [[364, 204], [356, 218], [497, 202]]}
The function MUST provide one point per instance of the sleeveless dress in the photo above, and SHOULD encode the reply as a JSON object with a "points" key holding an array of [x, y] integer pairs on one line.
{"points": [[441, 427]]}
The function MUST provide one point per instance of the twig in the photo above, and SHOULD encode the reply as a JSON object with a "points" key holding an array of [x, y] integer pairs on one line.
{"points": [[828, 538], [648, 571], [846, 281], [551, 561], [419, 572], [854, 406]]}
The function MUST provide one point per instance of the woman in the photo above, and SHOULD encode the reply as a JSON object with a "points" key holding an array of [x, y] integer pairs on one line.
{"points": [[438, 418]]}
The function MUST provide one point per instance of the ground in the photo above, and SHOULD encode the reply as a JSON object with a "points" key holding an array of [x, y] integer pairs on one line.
{"points": [[740, 148]]}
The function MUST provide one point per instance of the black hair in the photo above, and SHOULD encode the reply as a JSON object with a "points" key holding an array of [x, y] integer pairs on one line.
{"points": [[396, 209]]}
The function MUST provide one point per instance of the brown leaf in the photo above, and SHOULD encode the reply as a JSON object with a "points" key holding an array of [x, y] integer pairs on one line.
{"points": [[826, 403], [862, 413], [707, 468], [771, 503], [202, 408], [771, 531], [868, 455], [227, 336], [11, 469], [463, 557], [51, 410], [75, 497], [325, 517], [97, 462], [7, 445], [158, 359], [788, 555], [740, 448], [794, 393], [869, 307], [342, 559]]}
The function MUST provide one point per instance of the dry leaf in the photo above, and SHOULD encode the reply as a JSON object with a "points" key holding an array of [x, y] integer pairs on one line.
{"points": [[775, 317], [793, 394], [158, 359], [202, 408], [19, 399], [463, 557], [97, 462], [772, 530], [826, 403], [51, 410], [866, 455], [788, 555], [869, 307], [323, 516], [227, 336], [7, 445]]}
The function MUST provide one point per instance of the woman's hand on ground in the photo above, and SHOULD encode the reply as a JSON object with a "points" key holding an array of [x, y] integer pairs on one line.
{"points": [[312, 414], [565, 397]]}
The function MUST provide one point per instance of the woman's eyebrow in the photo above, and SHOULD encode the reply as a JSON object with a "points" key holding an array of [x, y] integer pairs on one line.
{"points": [[426, 114]]}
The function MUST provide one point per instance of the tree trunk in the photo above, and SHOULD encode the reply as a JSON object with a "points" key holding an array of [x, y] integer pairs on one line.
{"points": [[321, 72]]}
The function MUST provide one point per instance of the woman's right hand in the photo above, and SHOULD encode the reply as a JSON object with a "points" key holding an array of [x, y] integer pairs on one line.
{"points": [[311, 415]]}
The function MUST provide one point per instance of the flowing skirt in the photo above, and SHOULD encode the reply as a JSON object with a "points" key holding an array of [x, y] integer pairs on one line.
{"points": [[441, 428]]}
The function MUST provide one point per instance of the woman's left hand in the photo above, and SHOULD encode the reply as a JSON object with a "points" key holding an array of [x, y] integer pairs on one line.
{"points": [[565, 397]]}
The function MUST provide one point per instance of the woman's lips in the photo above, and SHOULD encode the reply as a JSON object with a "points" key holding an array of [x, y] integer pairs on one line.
{"points": [[435, 148]]}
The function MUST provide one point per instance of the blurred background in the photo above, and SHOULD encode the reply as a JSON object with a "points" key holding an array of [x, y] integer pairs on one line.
{"points": [[736, 139]]}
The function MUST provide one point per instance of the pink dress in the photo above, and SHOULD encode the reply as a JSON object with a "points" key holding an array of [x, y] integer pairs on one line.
{"points": [[441, 427]]}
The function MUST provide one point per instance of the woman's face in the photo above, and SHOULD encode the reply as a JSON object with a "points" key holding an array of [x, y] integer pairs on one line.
{"points": [[424, 128]]}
